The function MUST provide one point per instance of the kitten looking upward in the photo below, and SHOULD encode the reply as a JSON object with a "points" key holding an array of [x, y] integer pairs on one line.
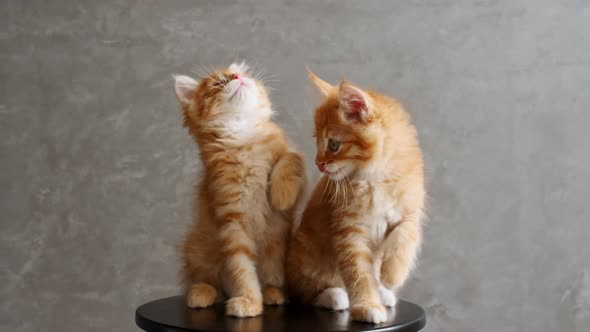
{"points": [[361, 230], [244, 204]]}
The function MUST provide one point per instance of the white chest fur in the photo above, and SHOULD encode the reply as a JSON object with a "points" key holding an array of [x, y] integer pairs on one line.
{"points": [[381, 212]]}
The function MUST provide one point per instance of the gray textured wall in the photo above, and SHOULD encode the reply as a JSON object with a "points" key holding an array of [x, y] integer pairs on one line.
{"points": [[96, 171]]}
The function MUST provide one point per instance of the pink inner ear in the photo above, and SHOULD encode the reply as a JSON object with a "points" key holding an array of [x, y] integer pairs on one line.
{"points": [[355, 102], [185, 88], [356, 105], [185, 92]]}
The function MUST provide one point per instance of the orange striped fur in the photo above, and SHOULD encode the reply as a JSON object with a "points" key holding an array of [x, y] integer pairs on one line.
{"points": [[245, 201], [361, 230]]}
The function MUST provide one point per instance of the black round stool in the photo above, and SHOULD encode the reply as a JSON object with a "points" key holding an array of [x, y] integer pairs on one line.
{"points": [[172, 315]]}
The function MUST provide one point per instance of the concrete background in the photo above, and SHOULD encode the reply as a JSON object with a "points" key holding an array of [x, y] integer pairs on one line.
{"points": [[96, 172]]}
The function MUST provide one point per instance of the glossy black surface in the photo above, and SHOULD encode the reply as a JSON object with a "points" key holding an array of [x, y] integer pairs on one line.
{"points": [[171, 314]]}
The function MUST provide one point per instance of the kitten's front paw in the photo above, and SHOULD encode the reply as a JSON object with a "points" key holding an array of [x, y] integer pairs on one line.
{"points": [[370, 313], [283, 193], [273, 296], [201, 295], [286, 181], [388, 297], [332, 298], [390, 276], [243, 307]]}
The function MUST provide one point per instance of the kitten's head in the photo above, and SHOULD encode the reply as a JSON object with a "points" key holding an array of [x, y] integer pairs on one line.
{"points": [[347, 128], [223, 95]]}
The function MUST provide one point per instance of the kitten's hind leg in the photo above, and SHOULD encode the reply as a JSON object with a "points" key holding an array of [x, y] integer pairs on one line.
{"points": [[333, 298], [272, 262], [202, 295]]}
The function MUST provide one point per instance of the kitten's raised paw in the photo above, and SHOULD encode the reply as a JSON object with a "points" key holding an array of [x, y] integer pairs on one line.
{"points": [[332, 298], [284, 194], [370, 313], [243, 307], [388, 297], [201, 295], [286, 181], [273, 296]]}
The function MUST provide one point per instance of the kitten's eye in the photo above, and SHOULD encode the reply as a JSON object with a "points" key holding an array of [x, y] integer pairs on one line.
{"points": [[333, 145]]}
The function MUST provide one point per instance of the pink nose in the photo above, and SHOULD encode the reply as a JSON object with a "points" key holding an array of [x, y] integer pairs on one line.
{"points": [[321, 167], [235, 76]]}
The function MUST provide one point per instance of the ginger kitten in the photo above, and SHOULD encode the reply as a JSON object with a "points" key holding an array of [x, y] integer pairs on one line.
{"points": [[361, 230], [244, 205]]}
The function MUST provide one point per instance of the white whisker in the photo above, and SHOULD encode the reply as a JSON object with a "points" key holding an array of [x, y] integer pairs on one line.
{"points": [[345, 190], [318, 180], [351, 188], [325, 187]]}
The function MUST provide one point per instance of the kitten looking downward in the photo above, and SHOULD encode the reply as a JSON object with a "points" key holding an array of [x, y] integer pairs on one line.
{"points": [[361, 230], [244, 205]]}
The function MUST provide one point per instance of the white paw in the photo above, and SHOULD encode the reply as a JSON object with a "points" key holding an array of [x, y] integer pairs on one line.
{"points": [[332, 298], [388, 297]]}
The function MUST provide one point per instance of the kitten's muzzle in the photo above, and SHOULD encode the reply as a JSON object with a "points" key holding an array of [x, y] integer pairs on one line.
{"points": [[321, 166]]}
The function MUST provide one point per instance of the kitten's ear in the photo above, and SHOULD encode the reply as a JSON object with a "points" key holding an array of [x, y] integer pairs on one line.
{"points": [[185, 88], [324, 87], [354, 102]]}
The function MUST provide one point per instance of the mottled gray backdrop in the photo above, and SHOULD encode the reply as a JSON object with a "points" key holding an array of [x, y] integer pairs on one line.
{"points": [[96, 171]]}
